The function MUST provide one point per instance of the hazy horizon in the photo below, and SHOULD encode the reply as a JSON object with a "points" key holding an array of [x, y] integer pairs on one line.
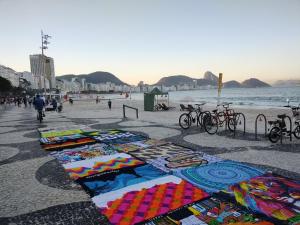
{"points": [[147, 40]]}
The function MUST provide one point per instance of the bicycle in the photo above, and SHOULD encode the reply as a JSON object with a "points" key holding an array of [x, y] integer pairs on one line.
{"points": [[195, 115], [279, 129], [218, 118]]}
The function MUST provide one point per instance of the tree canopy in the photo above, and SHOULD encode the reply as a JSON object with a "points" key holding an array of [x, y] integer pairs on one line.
{"points": [[5, 85]]}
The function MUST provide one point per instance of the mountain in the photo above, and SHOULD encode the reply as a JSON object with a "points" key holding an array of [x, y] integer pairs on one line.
{"points": [[232, 84], [95, 78], [211, 77], [175, 80], [287, 83], [253, 83]]}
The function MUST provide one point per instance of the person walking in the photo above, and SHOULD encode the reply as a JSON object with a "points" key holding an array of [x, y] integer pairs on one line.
{"points": [[30, 101], [25, 101], [109, 104], [19, 101], [97, 100]]}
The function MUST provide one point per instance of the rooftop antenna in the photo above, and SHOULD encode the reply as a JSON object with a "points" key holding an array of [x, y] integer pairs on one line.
{"points": [[45, 41]]}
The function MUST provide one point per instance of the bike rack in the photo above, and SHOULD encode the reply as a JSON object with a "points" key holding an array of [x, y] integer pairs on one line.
{"points": [[290, 120], [259, 116], [244, 121], [136, 111]]}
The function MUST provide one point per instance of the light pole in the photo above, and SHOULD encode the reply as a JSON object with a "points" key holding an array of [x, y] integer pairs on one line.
{"points": [[45, 42]]}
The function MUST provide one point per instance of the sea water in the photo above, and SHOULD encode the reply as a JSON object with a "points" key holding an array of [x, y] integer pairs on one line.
{"points": [[269, 96]]}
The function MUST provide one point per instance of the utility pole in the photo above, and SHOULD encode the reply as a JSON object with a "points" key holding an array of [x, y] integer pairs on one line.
{"points": [[45, 42]]}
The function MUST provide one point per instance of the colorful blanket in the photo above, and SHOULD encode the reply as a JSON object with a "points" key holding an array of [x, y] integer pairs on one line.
{"points": [[112, 134], [63, 131], [83, 153], [272, 195], [181, 161], [123, 139], [209, 211], [219, 175], [137, 203], [69, 143], [100, 164], [167, 150], [61, 139], [117, 179], [134, 146]]}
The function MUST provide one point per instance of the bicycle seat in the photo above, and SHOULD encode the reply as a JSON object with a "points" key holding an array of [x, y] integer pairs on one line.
{"points": [[215, 110], [282, 116]]}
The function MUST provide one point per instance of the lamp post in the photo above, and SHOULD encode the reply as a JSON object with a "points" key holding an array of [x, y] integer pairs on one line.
{"points": [[44, 46]]}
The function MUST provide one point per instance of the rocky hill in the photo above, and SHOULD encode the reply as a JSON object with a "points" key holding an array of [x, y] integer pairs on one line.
{"points": [[175, 80], [254, 83], [209, 79], [232, 84], [95, 78]]}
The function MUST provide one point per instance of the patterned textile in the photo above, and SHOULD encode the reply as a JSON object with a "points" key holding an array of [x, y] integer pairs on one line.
{"points": [[147, 200], [167, 150], [117, 179], [69, 143], [82, 153], [272, 195], [123, 139], [63, 131], [100, 164], [111, 134], [210, 211], [50, 134], [219, 175], [133, 146], [181, 161], [61, 139]]}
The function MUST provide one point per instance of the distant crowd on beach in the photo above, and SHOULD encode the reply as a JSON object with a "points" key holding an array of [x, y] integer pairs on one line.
{"points": [[26, 101], [17, 100]]}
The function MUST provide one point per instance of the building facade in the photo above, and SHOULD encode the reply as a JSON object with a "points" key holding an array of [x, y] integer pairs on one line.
{"points": [[42, 69]]}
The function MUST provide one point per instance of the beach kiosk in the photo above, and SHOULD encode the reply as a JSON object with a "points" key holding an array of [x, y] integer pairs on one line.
{"points": [[153, 98]]}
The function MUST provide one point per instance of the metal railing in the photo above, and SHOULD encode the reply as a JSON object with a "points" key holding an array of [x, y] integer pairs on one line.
{"points": [[124, 111], [237, 118], [260, 116], [291, 128]]}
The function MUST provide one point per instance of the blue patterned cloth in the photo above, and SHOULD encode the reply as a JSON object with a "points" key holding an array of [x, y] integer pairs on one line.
{"points": [[219, 175]]}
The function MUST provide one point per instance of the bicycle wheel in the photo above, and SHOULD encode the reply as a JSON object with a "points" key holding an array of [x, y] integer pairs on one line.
{"points": [[221, 117], [201, 117], [185, 121], [274, 134], [231, 123], [297, 132], [211, 124]]}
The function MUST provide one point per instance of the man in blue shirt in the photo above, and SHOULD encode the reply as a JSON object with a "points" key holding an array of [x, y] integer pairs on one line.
{"points": [[39, 103]]}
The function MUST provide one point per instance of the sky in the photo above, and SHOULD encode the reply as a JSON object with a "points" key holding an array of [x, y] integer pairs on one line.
{"points": [[144, 40]]}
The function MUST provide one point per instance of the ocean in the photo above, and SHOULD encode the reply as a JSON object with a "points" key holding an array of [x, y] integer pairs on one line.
{"points": [[270, 96]]}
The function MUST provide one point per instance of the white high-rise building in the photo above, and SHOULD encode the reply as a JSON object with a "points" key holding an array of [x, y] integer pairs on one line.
{"points": [[10, 75], [29, 77], [42, 69]]}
